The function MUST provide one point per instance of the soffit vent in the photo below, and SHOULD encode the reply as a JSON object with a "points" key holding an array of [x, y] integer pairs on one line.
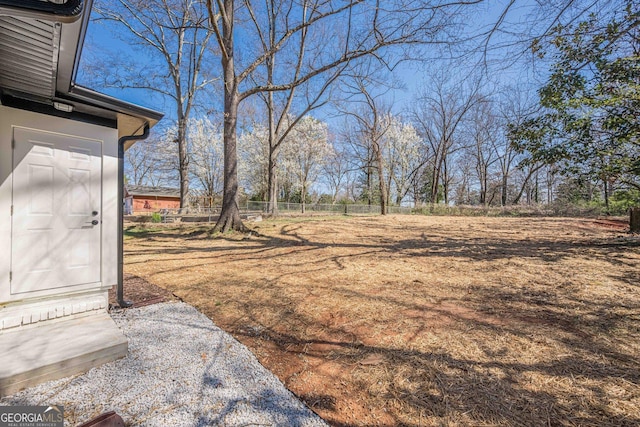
{"points": [[29, 53]]}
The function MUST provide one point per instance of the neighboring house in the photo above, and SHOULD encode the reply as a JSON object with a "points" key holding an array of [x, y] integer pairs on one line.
{"points": [[140, 199], [61, 156]]}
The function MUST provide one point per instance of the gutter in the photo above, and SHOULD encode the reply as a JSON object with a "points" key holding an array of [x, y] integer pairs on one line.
{"points": [[82, 94], [67, 12], [121, 143]]}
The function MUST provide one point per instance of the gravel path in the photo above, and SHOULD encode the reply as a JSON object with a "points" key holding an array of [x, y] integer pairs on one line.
{"points": [[181, 370]]}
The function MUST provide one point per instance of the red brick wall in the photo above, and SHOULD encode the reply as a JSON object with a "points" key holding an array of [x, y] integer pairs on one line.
{"points": [[142, 204]]}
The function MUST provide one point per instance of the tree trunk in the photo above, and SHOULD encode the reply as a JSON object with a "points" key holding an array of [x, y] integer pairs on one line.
{"points": [[435, 181], [437, 170], [230, 214], [503, 198], [537, 187], [183, 163], [483, 190], [605, 182], [272, 184], [303, 195], [369, 185], [272, 180], [381, 183], [445, 181], [634, 220], [524, 185]]}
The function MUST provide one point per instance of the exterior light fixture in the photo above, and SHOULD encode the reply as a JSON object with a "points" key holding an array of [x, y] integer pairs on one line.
{"points": [[63, 107]]}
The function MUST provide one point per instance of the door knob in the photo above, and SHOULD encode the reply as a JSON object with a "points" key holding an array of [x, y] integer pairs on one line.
{"points": [[94, 213], [95, 222]]}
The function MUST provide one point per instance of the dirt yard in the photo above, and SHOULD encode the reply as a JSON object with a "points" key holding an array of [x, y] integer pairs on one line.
{"points": [[423, 321]]}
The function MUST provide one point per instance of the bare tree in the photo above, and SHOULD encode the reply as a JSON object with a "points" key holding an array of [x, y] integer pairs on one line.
{"points": [[336, 169], [154, 161], [358, 29], [514, 107], [285, 108], [360, 160], [371, 124], [528, 172], [178, 35], [438, 114], [464, 194], [142, 165], [482, 131]]}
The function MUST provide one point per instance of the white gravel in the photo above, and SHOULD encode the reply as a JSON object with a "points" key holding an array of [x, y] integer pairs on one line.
{"points": [[181, 370]]}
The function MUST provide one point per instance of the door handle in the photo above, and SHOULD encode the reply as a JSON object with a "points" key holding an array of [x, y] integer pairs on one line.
{"points": [[94, 213], [95, 222]]}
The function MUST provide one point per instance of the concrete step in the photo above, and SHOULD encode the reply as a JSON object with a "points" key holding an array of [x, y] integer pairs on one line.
{"points": [[57, 349]]}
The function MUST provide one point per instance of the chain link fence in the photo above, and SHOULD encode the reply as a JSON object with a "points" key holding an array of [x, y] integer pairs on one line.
{"points": [[256, 209], [340, 208], [253, 209]]}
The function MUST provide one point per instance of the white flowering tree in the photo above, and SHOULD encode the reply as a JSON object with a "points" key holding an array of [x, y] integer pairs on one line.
{"points": [[305, 152], [404, 153], [253, 165], [207, 156]]}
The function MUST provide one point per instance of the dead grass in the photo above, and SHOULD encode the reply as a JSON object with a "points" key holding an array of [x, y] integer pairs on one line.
{"points": [[412, 320]]}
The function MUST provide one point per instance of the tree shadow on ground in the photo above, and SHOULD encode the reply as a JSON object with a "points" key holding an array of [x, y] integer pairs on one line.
{"points": [[588, 376], [500, 388]]}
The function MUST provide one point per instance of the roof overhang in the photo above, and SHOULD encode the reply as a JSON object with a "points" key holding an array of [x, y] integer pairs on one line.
{"points": [[55, 10], [146, 191], [40, 45]]}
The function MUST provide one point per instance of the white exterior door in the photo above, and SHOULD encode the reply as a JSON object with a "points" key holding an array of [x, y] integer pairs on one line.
{"points": [[56, 219]]}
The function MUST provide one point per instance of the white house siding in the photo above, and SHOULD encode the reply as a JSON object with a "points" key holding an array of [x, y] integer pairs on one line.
{"points": [[19, 310]]}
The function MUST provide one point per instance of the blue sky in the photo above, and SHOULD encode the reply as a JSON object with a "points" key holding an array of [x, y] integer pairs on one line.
{"points": [[101, 42]]}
